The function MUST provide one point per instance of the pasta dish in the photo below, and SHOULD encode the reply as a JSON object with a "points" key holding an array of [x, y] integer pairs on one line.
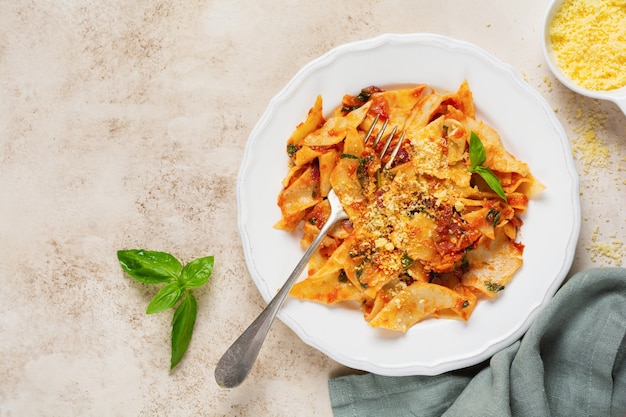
{"points": [[429, 236]]}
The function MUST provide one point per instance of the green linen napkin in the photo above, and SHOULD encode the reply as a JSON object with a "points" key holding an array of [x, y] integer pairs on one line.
{"points": [[570, 362]]}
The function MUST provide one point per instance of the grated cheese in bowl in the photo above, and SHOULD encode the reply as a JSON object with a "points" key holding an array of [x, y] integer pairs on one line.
{"points": [[584, 43]]}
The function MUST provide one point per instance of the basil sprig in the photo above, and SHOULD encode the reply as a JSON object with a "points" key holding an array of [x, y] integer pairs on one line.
{"points": [[477, 159], [152, 267]]}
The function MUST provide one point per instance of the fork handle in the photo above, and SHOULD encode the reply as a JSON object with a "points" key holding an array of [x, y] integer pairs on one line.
{"points": [[238, 360]]}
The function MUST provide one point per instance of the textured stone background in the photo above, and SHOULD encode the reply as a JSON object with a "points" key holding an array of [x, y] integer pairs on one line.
{"points": [[122, 125]]}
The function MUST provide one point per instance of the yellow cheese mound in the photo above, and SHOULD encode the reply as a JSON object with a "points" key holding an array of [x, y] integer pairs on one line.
{"points": [[589, 42]]}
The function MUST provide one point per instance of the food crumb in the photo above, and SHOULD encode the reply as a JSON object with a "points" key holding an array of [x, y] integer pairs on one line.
{"points": [[548, 83], [610, 252], [587, 146]]}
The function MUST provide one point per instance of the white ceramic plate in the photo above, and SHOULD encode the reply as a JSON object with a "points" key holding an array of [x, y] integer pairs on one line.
{"points": [[529, 130]]}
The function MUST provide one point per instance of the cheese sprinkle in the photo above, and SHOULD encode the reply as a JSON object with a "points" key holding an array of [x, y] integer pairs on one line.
{"points": [[589, 42]]}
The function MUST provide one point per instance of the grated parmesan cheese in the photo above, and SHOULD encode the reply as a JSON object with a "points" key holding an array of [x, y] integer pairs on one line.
{"points": [[612, 252], [589, 42], [587, 145]]}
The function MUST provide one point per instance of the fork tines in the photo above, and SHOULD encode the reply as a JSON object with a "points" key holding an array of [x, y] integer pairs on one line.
{"points": [[379, 136]]}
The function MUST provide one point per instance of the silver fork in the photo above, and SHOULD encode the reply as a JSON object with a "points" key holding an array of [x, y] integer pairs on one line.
{"points": [[238, 360]]}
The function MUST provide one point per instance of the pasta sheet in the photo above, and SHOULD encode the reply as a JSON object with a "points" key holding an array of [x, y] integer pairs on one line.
{"points": [[429, 236]]}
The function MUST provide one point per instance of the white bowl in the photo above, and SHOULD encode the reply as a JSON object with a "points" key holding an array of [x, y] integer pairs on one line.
{"points": [[617, 96], [529, 130]]}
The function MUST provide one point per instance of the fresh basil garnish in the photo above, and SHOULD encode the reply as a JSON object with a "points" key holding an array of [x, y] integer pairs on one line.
{"points": [[152, 267], [477, 159]]}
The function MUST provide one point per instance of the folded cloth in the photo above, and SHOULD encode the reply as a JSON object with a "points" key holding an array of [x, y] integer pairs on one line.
{"points": [[570, 362]]}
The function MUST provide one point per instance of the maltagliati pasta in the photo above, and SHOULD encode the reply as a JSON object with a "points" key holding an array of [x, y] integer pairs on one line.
{"points": [[427, 237]]}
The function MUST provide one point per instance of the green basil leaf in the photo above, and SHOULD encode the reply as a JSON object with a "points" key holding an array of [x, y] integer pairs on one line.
{"points": [[406, 261], [494, 287], [167, 297], [197, 272], [292, 149], [149, 267], [476, 151], [182, 328], [492, 180]]}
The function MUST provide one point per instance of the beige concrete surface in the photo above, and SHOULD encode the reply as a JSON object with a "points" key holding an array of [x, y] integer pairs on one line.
{"points": [[122, 125]]}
